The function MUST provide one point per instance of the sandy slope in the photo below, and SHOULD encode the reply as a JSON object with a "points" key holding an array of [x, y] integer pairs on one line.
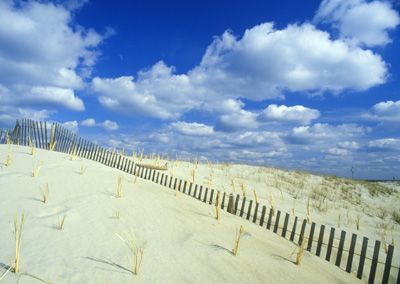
{"points": [[185, 244], [332, 201]]}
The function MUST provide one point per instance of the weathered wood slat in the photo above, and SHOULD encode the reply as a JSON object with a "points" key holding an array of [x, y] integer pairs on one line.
{"points": [[362, 258], [340, 248], [351, 253], [249, 210], [293, 233], [285, 224], [374, 262], [320, 240], [388, 265], [311, 237]]}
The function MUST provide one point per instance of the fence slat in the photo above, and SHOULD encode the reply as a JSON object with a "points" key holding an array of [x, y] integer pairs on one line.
{"points": [[249, 210], [351, 253], [362, 258], [320, 240], [237, 203], [271, 212], [285, 224], [330, 244], [302, 231], [211, 196], [242, 207], [340, 248], [264, 210], [311, 236], [255, 213], [293, 233], [388, 264], [374, 262], [276, 226]]}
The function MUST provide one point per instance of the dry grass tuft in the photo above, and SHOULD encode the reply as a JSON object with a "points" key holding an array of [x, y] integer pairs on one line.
{"points": [[61, 222], [8, 160], [17, 237], [300, 252], [239, 234], [82, 170], [36, 168], [119, 187], [137, 251], [217, 208], [45, 193], [358, 219]]}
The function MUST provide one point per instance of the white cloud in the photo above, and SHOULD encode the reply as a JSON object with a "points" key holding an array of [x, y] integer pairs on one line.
{"points": [[338, 151], [362, 22], [235, 121], [71, 125], [263, 64], [385, 111], [157, 92], [323, 133], [192, 128], [388, 144], [89, 122], [297, 113], [349, 145], [109, 125], [43, 54], [56, 95]]}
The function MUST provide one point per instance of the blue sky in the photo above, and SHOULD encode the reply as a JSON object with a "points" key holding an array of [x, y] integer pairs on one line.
{"points": [[307, 85]]}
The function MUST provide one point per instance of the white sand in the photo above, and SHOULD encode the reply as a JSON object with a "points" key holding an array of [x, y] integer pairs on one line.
{"points": [[185, 244]]}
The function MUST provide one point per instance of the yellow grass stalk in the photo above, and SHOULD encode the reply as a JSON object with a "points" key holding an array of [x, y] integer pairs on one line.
{"points": [[61, 222], [8, 160], [52, 145], [73, 153], [255, 195], [117, 214], [308, 211], [300, 252], [33, 149], [217, 208], [36, 168], [45, 193], [193, 175], [358, 219], [141, 155], [233, 185], [243, 189], [17, 237], [119, 187], [239, 234], [271, 203], [82, 170], [339, 217], [137, 251]]}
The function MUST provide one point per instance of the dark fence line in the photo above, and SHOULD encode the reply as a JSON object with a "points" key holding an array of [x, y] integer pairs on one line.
{"points": [[325, 243]]}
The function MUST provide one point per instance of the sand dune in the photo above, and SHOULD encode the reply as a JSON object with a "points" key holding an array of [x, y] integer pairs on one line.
{"points": [[184, 243]]}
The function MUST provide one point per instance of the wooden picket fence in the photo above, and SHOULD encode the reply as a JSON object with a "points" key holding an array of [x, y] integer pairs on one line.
{"points": [[363, 259]]}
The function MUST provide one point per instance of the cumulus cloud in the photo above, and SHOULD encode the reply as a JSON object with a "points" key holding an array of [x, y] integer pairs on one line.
{"points": [[59, 96], [263, 64], [44, 57], [72, 125], [89, 122], [362, 22], [235, 121], [323, 133], [385, 111], [349, 145], [192, 128], [157, 92], [297, 113], [385, 144], [109, 125]]}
